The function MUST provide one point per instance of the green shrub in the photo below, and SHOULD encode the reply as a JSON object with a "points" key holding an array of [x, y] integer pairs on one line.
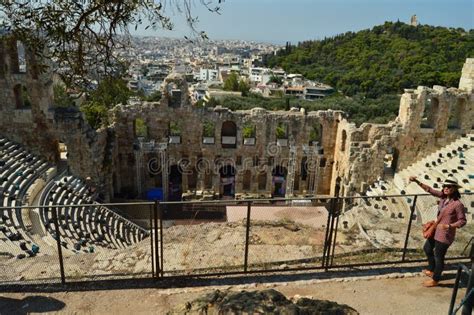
{"points": [[248, 131], [208, 129]]}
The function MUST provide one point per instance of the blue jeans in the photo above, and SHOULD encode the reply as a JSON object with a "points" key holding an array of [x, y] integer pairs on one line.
{"points": [[435, 252]]}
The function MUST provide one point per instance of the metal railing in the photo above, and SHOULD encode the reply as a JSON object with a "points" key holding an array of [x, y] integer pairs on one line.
{"points": [[468, 301], [247, 236]]}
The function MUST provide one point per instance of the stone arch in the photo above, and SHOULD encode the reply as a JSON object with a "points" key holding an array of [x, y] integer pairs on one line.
{"points": [[140, 128], [22, 99], [227, 180], [430, 113], [390, 161], [175, 95], [279, 181], [229, 134], [343, 141], [192, 178], [208, 132], [174, 131], [281, 131], [262, 180], [247, 180], [208, 180], [296, 183], [316, 135], [175, 181], [456, 112]]}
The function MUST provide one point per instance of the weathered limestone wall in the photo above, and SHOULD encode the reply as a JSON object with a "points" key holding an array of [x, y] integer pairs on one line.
{"points": [[24, 101], [429, 118], [262, 157]]}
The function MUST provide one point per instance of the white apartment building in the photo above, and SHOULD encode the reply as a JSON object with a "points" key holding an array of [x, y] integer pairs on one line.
{"points": [[208, 75]]}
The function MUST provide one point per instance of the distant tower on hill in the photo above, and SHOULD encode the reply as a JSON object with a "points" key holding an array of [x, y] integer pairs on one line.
{"points": [[414, 20]]}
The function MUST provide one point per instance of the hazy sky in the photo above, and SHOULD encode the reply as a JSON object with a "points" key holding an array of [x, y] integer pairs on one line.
{"points": [[278, 21]]}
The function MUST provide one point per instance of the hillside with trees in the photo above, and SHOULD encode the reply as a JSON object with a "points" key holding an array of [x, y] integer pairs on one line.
{"points": [[358, 109], [382, 60]]}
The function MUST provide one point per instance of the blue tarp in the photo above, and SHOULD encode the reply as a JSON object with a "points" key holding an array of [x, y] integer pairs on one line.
{"points": [[155, 194]]}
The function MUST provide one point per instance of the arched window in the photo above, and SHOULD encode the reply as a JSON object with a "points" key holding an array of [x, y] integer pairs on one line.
{"points": [[208, 132], [175, 95], [174, 133], [279, 181], [455, 114], [430, 113], [192, 178], [174, 183], [316, 135], [208, 180], [296, 185], [247, 180], [262, 181], [229, 134], [227, 176], [140, 128], [22, 99]]}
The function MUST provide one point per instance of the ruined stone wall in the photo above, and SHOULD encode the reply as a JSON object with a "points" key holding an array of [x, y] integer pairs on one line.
{"points": [[429, 118], [24, 101], [248, 160], [28, 116]]}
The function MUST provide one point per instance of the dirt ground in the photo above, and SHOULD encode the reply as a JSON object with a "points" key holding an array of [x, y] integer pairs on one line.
{"points": [[370, 295]]}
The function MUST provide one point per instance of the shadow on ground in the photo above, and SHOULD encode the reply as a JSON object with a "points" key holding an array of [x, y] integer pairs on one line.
{"points": [[189, 282], [30, 304]]}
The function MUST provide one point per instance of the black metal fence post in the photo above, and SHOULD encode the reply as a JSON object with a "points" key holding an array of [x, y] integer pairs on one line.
{"points": [[247, 235], [329, 234], [467, 308], [58, 242], [151, 242], [326, 237], [155, 219], [161, 213], [412, 211], [331, 231], [336, 214], [455, 290]]}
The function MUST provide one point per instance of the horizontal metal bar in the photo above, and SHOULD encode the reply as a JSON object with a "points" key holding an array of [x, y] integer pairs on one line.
{"points": [[231, 201]]}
